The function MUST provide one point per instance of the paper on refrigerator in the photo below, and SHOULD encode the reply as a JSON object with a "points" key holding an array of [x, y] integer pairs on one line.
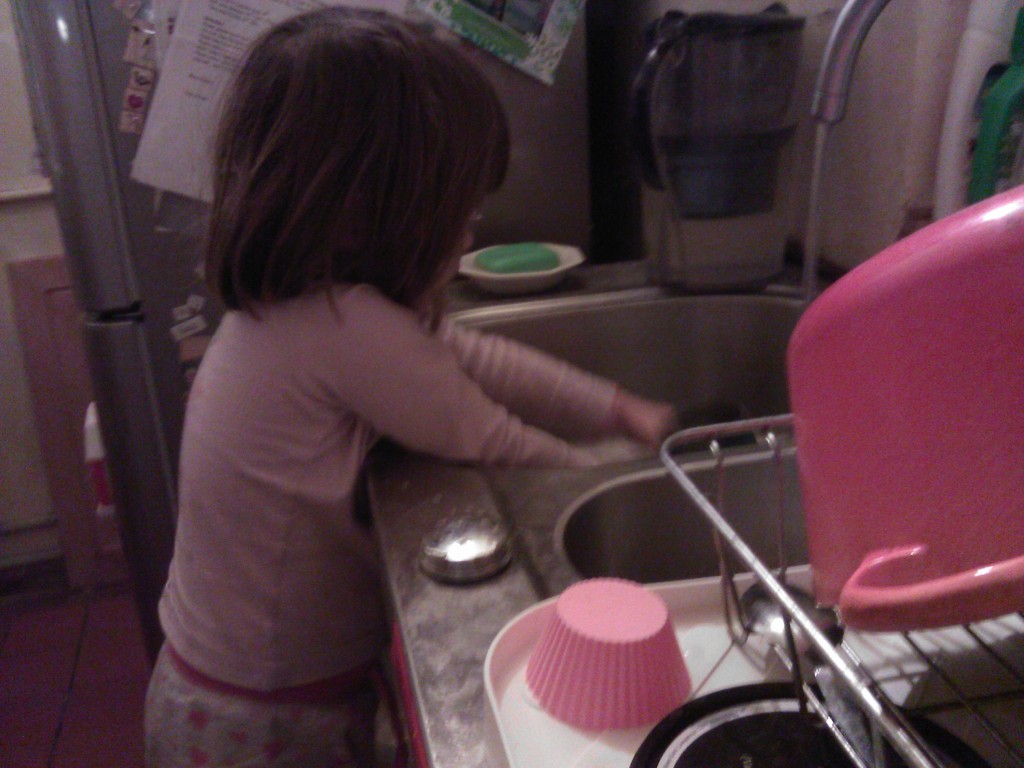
{"points": [[209, 40]]}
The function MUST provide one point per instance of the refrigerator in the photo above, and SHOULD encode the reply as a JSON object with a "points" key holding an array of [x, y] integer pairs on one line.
{"points": [[134, 252]]}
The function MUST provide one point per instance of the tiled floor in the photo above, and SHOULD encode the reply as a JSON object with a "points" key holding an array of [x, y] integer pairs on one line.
{"points": [[73, 676]]}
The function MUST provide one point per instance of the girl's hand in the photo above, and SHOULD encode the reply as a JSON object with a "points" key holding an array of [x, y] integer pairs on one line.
{"points": [[645, 421]]}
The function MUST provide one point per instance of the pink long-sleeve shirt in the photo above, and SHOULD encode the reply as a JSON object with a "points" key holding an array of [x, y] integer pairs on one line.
{"points": [[273, 583]]}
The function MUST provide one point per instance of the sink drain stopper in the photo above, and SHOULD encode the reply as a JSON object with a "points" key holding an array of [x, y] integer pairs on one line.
{"points": [[462, 550]]}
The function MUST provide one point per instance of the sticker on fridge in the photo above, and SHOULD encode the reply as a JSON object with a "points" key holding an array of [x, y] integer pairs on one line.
{"points": [[529, 34], [136, 97]]}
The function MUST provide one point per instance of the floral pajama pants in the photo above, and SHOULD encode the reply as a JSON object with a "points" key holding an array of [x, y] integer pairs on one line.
{"points": [[191, 725]]}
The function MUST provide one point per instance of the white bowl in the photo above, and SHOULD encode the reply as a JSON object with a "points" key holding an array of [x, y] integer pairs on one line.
{"points": [[521, 282]]}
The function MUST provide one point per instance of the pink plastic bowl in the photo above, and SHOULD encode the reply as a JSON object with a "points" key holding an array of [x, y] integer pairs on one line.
{"points": [[906, 379], [609, 658], [914, 587]]}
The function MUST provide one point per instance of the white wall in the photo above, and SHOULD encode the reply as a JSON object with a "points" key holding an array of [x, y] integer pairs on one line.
{"points": [[28, 228]]}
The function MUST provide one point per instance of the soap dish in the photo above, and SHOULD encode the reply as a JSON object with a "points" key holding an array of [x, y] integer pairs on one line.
{"points": [[511, 283]]}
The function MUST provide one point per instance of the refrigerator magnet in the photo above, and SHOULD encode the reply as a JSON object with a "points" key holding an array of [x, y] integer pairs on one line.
{"points": [[193, 306], [182, 313], [190, 327], [133, 110], [131, 122], [141, 79], [140, 49]]}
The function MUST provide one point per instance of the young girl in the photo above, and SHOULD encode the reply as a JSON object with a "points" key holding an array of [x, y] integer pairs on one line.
{"points": [[351, 159]]}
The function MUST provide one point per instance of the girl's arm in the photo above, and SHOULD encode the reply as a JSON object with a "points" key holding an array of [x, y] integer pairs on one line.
{"points": [[386, 368], [553, 394]]}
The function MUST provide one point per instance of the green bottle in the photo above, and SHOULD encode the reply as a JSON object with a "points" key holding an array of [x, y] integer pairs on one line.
{"points": [[997, 163]]}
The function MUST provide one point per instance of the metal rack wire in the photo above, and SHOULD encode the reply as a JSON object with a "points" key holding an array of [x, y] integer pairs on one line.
{"points": [[868, 671]]}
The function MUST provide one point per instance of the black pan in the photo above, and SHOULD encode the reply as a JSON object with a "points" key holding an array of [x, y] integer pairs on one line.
{"points": [[760, 726]]}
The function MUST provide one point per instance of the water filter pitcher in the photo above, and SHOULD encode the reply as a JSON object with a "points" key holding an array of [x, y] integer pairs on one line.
{"points": [[710, 116]]}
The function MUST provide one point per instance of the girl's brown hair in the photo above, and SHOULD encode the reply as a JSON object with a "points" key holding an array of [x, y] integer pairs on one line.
{"points": [[354, 148]]}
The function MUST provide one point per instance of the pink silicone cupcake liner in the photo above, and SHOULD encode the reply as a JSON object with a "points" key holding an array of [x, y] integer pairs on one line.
{"points": [[609, 658]]}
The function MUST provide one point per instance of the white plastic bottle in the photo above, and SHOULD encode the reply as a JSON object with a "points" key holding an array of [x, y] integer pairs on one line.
{"points": [[985, 45]]}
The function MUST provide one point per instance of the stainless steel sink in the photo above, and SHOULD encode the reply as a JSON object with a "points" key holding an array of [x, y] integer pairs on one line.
{"points": [[643, 527], [718, 358]]}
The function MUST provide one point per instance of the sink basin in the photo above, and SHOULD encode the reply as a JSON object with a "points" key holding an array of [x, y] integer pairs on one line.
{"points": [[718, 357], [643, 526]]}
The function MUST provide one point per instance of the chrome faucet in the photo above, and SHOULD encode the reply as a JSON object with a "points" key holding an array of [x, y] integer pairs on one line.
{"points": [[828, 105], [833, 84]]}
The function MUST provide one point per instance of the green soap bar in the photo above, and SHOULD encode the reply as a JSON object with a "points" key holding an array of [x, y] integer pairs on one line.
{"points": [[521, 257]]}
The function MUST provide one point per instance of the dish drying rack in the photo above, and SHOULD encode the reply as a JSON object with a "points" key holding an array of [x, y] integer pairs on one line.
{"points": [[770, 439]]}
